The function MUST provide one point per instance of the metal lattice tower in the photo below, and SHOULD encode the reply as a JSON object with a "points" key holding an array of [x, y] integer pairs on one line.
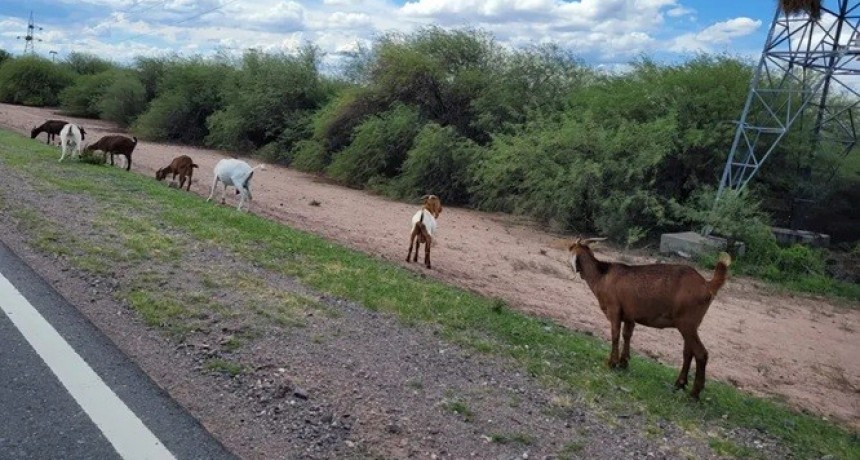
{"points": [[804, 77], [30, 37]]}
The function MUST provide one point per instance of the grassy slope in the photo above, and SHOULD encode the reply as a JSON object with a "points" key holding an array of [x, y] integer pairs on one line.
{"points": [[566, 359]]}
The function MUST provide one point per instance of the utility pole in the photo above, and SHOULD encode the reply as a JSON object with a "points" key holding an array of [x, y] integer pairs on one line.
{"points": [[31, 36], [53, 55]]}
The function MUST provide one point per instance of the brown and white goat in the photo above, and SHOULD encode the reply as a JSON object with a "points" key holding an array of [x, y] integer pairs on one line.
{"points": [[654, 295], [115, 145], [423, 228], [183, 166]]}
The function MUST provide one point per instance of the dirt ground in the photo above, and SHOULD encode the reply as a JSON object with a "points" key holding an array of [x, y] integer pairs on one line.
{"points": [[799, 348]]}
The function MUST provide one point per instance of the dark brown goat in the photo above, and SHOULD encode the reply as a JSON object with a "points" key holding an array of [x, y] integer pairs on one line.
{"points": [[115, 145], [53, 128], [181, 165], [655, 295]]}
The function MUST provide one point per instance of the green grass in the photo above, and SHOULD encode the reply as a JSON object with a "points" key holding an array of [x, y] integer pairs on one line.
{"points": [[570, 361], [224, 366]]}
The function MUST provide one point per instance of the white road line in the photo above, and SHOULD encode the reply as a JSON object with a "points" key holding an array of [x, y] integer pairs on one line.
{"points": [[125, 431]]}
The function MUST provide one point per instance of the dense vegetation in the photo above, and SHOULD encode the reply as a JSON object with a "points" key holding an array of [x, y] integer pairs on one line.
{"points": [[531, 131]]}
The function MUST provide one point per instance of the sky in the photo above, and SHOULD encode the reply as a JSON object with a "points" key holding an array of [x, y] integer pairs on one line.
{"points": [[601, 32]]}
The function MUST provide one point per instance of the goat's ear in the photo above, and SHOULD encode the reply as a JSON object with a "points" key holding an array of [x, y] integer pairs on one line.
{"points": [[424, 198]]}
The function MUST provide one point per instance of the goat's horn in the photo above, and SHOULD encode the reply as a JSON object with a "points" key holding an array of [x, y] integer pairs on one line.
{"points": [[592, 240]]}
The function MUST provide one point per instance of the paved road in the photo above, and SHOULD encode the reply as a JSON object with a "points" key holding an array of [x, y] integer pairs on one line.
{"points": [[67, 392]]}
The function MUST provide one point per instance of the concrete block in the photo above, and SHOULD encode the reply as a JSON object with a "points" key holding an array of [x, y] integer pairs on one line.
{"points": [[787, 237], [689, 244]]}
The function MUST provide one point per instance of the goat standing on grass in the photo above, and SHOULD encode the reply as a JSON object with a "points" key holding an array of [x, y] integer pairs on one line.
{"points": [[181, 165], [51, 127], [71, 134], [115, 145], [655, 295], [237, 173], [423, 228]]}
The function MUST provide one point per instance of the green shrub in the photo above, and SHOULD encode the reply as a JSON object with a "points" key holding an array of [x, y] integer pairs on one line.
{"points": [[87, 64], [188, 93], [270, 98], [123, 100], [33, 81], [439, 163], [309, 155], [82, 98], [378, 149]]}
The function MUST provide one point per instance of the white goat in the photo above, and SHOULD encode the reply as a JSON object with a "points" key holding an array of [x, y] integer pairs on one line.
{"points": [[236, 173], [71, 134]]}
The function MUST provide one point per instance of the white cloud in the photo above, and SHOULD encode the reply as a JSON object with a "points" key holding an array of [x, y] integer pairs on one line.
{"points": [[721, 33], [601, 31]]}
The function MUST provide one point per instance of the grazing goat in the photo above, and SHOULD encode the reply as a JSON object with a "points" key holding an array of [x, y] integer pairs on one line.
{"points": [[52, 128], [423, 228], [71, 134], [115, 145], [655, 295], [237, 173], [181, 165]]}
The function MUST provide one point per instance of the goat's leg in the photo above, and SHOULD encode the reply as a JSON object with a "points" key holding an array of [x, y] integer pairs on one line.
{"points": [[616, 332], [128, 162], [627, 334], [411, 243], [417, 248], [224, 194], [63, 155], [428, 240], [242, 195], [212, 189], [190, 174], [681, 382], [701, 355]]}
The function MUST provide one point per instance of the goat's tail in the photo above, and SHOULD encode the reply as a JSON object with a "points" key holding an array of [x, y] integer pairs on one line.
{"points": [[194, 165], [135, 139], [720, 273]]}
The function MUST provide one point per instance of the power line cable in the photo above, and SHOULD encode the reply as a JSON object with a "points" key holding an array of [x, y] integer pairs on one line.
{"points": [[181, 21]]}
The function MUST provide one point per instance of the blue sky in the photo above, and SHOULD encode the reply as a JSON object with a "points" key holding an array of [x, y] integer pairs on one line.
{"points": [[602, 32]]}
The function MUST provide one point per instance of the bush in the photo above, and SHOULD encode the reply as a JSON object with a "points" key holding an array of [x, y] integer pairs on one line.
{"points": [[82, 98], [123, 100], [33, 81], [439, 163], [578, 175], [87, 64], [187, 95], [378, 149], [309, 155], [270, 98]]}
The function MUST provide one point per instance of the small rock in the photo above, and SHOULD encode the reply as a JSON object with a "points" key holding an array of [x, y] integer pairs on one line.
{"points": [[299, 393]]}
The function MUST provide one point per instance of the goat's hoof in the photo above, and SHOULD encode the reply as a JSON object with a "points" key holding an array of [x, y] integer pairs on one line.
{"points": [[623, 364], [680, 385]]}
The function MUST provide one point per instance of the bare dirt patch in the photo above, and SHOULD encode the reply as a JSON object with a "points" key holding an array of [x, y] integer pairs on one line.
{"points": [[800, 348]]}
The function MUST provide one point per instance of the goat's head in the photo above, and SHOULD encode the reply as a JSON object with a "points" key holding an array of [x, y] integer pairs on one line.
{"points": [[581, 247], [34, 132], [433, 204], [83, 133], [161, 173]]}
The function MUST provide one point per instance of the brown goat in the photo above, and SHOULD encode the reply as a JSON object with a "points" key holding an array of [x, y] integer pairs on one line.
{"points": [[115, 145], [53, 128], [654, 295], [423, 228], [181, 165]]}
